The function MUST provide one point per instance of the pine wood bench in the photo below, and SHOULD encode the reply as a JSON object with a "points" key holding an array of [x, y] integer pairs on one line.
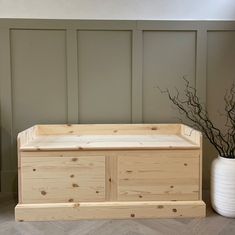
{"points": [[109, 171]]}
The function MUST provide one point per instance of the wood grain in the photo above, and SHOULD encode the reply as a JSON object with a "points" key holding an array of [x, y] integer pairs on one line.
{"points": [[59, 179], [22, 139], [109, 171], [109, 210], [109, 129], [166, 175], [86, 142], [111, 178]]}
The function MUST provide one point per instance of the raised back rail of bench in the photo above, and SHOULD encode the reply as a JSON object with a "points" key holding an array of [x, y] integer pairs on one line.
{"points": [[109, 171]]}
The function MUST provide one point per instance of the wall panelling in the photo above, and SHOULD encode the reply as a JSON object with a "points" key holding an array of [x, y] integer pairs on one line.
{"points": [[88, 71]]}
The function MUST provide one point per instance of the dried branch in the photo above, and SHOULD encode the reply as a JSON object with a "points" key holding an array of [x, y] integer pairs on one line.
{"points": [[193, 110]]}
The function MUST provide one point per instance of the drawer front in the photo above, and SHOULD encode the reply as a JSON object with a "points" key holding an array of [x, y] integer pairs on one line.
{"points": [[159, 175], [62, 179]]}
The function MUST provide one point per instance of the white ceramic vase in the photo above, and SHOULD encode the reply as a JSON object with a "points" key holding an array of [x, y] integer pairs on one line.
{"points": [[223, 186]]}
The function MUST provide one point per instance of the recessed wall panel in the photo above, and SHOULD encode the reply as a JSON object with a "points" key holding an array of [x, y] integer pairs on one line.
{"points": [[168, 56], [220, 76], [220, 72], [38, 61], [104, 73]]}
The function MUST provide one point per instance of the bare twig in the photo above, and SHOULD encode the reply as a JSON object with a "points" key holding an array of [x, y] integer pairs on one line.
{"points": [[193, 110]]}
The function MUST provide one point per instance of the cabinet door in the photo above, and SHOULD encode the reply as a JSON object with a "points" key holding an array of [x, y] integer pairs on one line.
{"points": [[159, 175], [59, 178]]}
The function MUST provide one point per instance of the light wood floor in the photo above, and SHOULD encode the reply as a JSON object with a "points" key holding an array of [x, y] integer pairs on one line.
{"points": [[213, 224]]}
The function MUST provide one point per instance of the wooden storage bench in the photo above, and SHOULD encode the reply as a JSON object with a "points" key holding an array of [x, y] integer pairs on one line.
{"points": [[116, 171]]}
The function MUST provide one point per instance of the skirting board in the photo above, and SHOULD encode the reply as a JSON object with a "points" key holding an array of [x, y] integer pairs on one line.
{"points": [[109, 210]]}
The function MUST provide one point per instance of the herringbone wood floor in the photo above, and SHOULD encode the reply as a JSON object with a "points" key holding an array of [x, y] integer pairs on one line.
{"points": [[213, 224]]}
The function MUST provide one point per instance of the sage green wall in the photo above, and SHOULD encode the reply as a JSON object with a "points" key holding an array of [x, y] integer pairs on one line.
{"points": [[104, 72], [73, 71]]}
